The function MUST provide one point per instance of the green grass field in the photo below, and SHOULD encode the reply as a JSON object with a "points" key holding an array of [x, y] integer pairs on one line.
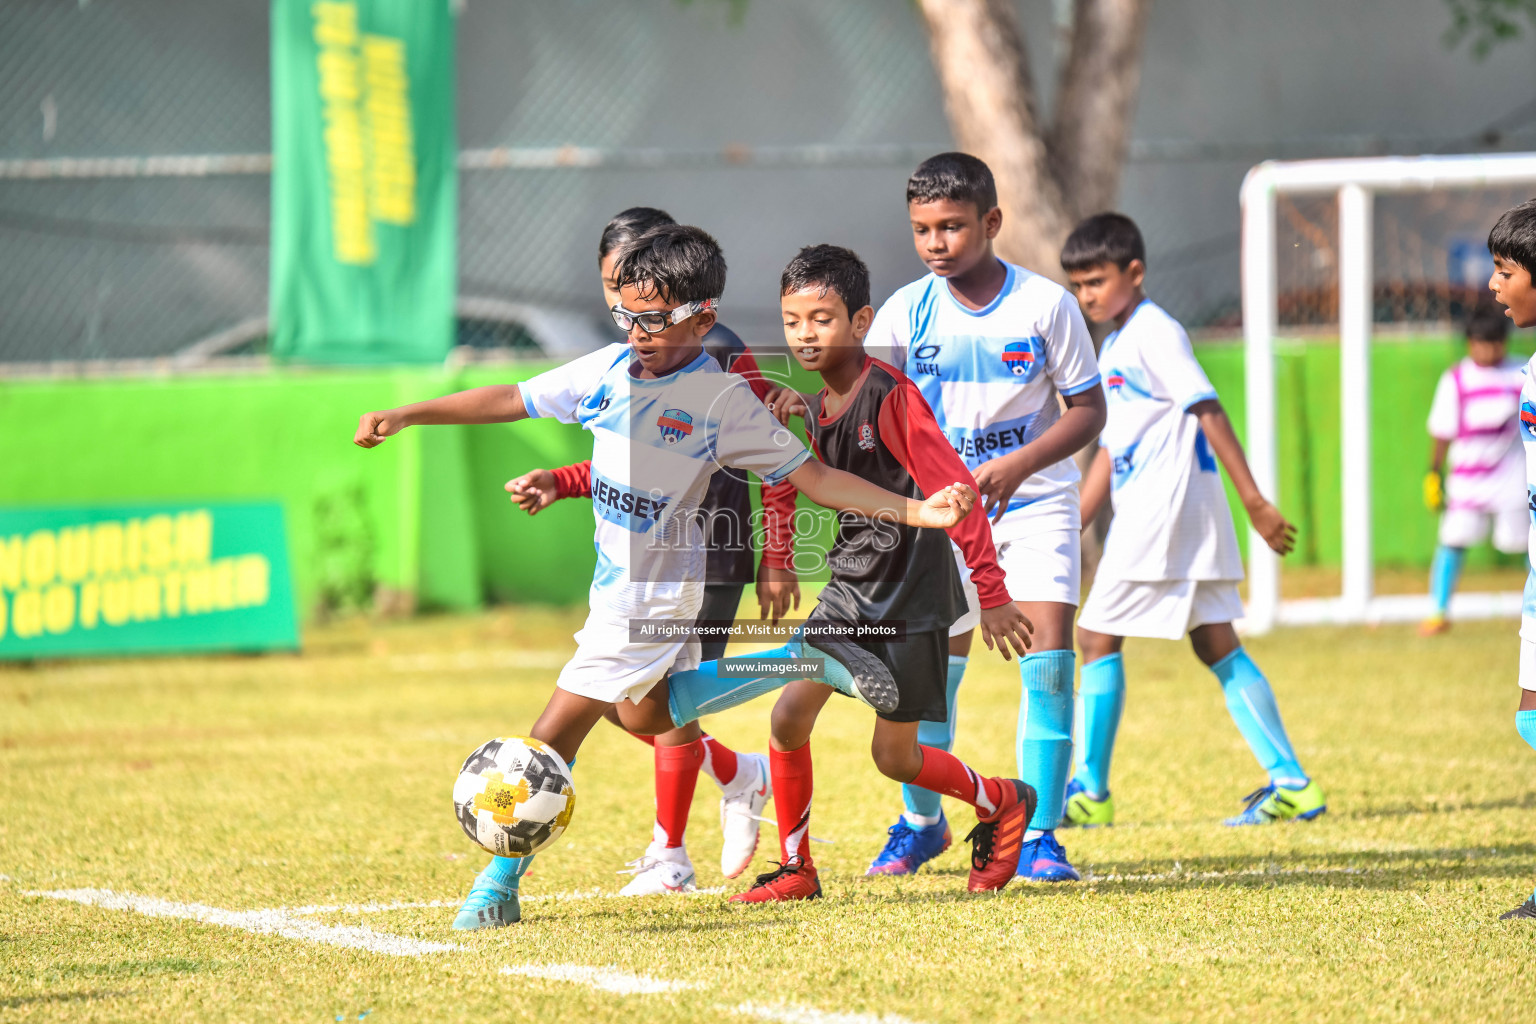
{"points": [[246, 784]]}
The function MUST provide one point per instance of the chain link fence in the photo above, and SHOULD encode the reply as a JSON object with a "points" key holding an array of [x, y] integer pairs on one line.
{"points": [[134, 187]]}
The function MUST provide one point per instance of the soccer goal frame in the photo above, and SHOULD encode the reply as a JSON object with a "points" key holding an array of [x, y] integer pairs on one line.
{"points": [[1355, 182]]}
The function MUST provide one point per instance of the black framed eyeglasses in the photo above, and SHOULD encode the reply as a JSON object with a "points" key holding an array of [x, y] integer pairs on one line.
{"points": [[657, 320]]}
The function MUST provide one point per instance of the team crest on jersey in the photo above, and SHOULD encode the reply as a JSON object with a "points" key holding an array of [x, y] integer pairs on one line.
{"points": [[1528, 420], [866, 436], [675, 425], [1022, 358], [1114, 382]]}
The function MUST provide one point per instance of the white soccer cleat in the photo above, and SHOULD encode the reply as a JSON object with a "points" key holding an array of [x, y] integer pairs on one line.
{"points": [[741, 813], [659, 872]]}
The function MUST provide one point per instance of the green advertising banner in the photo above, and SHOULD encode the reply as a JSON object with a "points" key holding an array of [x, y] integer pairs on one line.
{"points": [[364, 192], [135, 580]]}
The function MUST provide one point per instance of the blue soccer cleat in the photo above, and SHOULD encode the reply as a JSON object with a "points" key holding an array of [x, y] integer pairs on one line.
{"points": [[489, 905], [910, 848], [1044, 860]]}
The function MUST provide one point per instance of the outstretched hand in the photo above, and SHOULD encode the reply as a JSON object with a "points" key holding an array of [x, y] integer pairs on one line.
{"points": [[785, 402], [944, 508], [1006, 625], [534, 491], [374, 427], [1279, 534]]}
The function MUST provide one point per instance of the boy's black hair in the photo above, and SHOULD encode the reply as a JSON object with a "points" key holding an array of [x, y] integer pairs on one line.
{"points": [[1487, 322], [1103, 238], [832, 269], [629, 225], [1514, 236], [958, 177], [674, 261]]}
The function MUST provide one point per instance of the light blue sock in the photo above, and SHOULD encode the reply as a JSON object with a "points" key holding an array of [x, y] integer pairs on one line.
{"points": [[1251, 703], [509, 871], [701, 691], [1525, 725], [923, 804], [1045, 732], [1100, 700], [1444, 571]]}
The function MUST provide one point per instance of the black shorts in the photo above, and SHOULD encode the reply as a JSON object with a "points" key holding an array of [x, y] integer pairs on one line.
{"points": [[920, 666], [721, 600]]}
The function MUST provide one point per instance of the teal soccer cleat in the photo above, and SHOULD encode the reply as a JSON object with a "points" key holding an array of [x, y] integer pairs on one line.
{"points": [[489, 905]]}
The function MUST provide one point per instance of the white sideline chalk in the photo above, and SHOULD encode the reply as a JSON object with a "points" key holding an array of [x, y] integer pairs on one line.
{"points": [[260, 922], [604, 979]]}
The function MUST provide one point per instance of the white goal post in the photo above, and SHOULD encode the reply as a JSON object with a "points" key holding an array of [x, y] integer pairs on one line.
{"points": [[1355, 181]]}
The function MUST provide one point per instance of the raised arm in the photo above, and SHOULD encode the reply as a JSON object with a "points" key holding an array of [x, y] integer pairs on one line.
{"points": [[1266, 519], [498, 403], [835, 489]]}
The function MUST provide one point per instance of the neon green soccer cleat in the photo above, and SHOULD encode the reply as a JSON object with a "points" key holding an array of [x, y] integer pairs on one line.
{"points": [[1083, 811], [1276, 803]]}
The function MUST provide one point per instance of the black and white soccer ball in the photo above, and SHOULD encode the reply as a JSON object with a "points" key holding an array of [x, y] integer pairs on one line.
{"points": [[514, 796]]}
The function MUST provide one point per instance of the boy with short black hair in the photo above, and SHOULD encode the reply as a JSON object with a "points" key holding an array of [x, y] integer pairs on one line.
{"points": [[994, 348], [1513, 245], [682, 754], [871, 421], [664, 417], [1474, 423], [1171, 565]]}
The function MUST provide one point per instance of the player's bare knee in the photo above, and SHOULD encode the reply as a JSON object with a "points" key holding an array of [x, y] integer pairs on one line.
{"points": [[1214, 641], [1097, 645]]}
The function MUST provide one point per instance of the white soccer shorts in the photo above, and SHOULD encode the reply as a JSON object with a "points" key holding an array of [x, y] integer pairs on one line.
{"points": [[609, 666], [1527, 665], [1039, 550], [1465, 528], [1160, 609]]}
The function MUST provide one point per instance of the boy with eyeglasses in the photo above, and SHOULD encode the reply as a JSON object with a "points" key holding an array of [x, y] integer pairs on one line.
{"points": [[681, 755], [664, 418]]}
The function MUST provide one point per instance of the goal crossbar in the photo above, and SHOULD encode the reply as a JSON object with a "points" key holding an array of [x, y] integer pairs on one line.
{"points": [[1355, 181]]}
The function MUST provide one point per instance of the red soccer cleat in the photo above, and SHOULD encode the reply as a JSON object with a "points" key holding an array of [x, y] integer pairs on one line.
{"points": [[995, 841], [794, 880]]}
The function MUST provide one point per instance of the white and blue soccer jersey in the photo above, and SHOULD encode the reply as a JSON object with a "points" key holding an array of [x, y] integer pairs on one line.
{"points": [[1528, 439], [655, 445], [991, 375], [1172, 521]]}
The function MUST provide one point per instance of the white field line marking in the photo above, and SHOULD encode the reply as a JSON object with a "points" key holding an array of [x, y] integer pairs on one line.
{"points": [[384, 908], [789, 1014], [260, 922], [604, 979], [290, 925], [1204, 876]]}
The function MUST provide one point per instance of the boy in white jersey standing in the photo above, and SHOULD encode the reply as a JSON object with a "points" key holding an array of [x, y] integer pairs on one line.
{"points": [[991, 345], [664, 417], [1513, 245], [1474, 423], [1171, 563]]}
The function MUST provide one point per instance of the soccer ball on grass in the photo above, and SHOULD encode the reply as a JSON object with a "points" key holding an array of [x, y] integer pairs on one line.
{"points": [[514, 796]]}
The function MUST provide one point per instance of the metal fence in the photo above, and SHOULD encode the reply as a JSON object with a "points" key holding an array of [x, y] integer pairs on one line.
{"points": [[134, 190]]}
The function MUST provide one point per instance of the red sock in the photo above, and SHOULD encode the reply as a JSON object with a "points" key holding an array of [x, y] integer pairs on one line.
{"points": [[649, 741], [719, 761], [945, 773], [791, 772], [677, 772]]}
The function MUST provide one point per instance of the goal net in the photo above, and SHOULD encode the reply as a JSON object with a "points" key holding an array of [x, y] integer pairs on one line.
{"points": [[1356, 249]]}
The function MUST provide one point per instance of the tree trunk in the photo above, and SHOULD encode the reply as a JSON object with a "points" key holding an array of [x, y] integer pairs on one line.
{"points": [[1046, 179], [1096, 101]]}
